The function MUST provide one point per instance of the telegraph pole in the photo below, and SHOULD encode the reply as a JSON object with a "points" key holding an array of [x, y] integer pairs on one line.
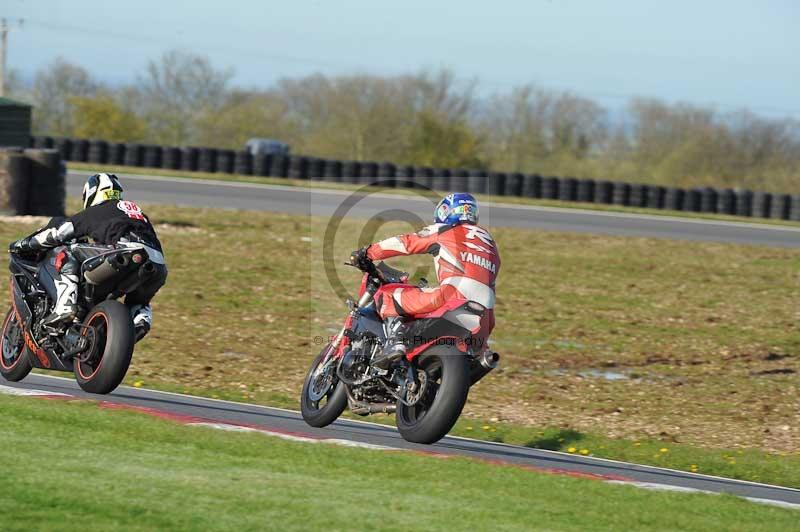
{"points": [[4, 29]]}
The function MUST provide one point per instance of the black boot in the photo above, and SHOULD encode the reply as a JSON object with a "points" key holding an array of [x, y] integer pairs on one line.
{"points": [[395, 347]]}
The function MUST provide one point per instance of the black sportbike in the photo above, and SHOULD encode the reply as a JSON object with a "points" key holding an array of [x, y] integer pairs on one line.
{"points": [[98, 347]]}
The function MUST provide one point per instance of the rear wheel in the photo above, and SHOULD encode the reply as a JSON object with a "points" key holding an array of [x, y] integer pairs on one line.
{"points": [[14, 359], [109, 331], [444, 378], [324, 397]]}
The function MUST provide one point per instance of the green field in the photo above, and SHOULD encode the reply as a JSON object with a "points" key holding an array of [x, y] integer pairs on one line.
{"points": [[74, 466], [606, 342]]}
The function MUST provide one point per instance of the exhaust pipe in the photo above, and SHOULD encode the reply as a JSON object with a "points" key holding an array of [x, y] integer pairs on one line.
{"points": [[489, 360], [363, 409], [486, 362]]}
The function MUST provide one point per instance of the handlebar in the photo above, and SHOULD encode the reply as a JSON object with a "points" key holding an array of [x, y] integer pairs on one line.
{"points": [[371, 270]]}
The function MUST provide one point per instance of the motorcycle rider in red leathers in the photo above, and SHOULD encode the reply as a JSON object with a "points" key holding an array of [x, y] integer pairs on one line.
{"points": [[466, 260]]}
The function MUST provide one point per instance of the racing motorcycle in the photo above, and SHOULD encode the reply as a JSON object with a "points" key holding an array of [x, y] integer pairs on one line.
{"points": [[427, 389], [99, 347]]}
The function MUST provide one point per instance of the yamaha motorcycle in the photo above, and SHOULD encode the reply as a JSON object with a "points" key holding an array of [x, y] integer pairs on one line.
{"points": [[97, 348], [427, 389]]}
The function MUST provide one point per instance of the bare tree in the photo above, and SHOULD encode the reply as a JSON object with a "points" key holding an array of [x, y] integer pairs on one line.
{"points": [[175, 90], [53, 87]]}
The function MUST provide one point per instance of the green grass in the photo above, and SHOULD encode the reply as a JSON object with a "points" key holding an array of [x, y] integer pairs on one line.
{"points": [[705, 334], [122, 170], [74, 466]]}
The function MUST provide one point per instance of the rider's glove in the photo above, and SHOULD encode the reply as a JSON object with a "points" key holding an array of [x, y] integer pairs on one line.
{"points": [[359, 258], [21, 246]]}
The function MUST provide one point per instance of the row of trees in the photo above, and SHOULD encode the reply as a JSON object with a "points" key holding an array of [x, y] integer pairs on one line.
{"points": [[429, 118]]}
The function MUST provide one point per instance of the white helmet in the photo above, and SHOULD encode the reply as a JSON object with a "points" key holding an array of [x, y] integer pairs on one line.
{"points": [[100, 188]]}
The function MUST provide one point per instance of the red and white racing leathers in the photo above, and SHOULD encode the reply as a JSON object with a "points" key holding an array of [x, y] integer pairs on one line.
{"points": [[466, 261]]}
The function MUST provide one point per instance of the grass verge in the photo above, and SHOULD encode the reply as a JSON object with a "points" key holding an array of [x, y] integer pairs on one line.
{"points": [[675, 345], [483, 197], [117, 470]]}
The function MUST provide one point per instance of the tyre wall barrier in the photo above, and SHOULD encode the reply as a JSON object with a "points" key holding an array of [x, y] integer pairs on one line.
{"points": [[64, 147], [794, 209], [551, 188], [656, 197], [386, 172], [708, 200], [262, 163], [333, 171], [14, 181], [762, 204], [225, 161], [674, 198], [744, 203], [404, 176], [172, 158], [280, 166], [622, 194], [604, 192], [98, 151], [513, 185], [45, 171], [190, 158], [423, 177], [476, 181], [116, 153], [496, 184], [152, 156], [441, 179], [134, 155], [781, 205], [298, 167], [41, 142], [459, 180], [243, 163], [206, 160], [316, 167], [726, 202], [350, 172], [639, 194], [568, 191], [586, 188], [532, 186], [732, 202], [368, 174], [80, 151]]}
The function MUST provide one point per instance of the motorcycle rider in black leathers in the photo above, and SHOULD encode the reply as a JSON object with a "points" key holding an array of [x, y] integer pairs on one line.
{"points": [[108, 220]]}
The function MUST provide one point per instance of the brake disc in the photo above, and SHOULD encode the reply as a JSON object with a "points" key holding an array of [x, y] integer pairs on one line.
{"points": [[321, 383], [416, 390]]}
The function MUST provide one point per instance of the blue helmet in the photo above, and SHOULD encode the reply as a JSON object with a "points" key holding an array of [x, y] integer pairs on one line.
{"points": [[456, 208]]}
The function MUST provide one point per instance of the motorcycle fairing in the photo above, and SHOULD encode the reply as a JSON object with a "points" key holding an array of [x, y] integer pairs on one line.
{"points": [[43, 358], [369, 321]]}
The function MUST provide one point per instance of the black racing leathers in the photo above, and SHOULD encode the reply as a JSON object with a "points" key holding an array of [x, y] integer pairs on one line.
{"points": [[105, 223]]}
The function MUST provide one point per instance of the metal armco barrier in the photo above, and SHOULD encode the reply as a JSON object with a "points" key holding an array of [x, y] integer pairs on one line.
{"points": [[734, 202]]}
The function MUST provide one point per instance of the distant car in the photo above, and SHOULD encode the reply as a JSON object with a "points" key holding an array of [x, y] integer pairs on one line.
{"points": [[267, 147]]}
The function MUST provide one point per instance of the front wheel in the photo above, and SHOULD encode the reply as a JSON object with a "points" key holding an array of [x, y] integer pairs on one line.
{"points": [[445, 372], [14, 358], [323, 397], [110, 335]]}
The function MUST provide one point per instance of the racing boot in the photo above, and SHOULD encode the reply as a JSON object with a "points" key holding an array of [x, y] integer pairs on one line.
{"points": [[66, 306], [142, 316], [395, 347]]}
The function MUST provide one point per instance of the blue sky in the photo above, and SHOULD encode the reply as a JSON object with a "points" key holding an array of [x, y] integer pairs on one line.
{"points": [[729, 54]]}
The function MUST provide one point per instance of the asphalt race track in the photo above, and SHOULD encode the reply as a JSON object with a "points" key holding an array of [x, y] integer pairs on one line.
{"points": [[322, 202], [297, 200], [289, 424]]}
